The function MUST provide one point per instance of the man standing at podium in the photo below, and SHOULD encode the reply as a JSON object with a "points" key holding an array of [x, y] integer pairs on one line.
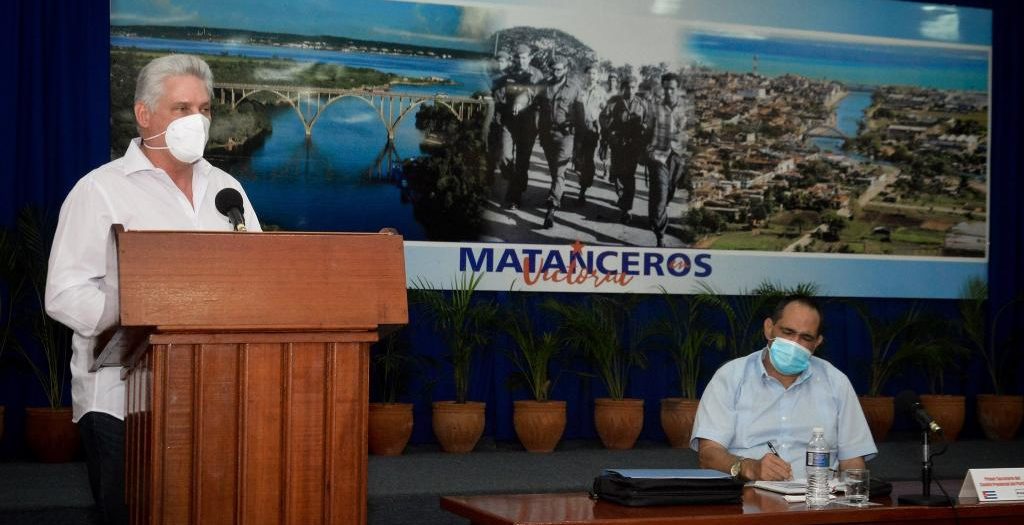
{"points": [[161, 183], [756, 415]]}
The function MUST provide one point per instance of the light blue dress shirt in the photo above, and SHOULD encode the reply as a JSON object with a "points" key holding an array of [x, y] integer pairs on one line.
{"points": [[743, 408]]}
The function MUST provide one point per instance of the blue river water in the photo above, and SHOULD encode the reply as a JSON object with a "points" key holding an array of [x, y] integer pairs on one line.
{"points": [[849, 114], [322, 184], [852, 63]]}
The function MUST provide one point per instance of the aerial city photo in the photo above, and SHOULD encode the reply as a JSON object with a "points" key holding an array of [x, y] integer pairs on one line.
{"points": [[801, 127]]}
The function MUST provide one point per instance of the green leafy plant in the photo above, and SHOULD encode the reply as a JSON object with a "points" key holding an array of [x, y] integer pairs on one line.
{"points": [[532, 353], [465, 323], [745, 313], [896, 343], [938, 359], [973, 304], [688, 334], [594, 329], [393, 366], [12, 285], [32, 251], [941, 354]]}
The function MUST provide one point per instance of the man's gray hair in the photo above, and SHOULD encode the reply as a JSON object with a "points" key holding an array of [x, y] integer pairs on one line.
{"points": [[149, 87]]}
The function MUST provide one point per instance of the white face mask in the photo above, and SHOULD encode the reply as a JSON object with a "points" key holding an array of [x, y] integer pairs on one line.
{"points": [[185, 137]]}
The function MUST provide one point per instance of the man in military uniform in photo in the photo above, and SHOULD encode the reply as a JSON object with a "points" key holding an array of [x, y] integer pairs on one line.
{"points": [[666, 152], [519, 123], [561, 114], [612, 89], [624, 129], [498, 65], [613, 82], [593, 97]]}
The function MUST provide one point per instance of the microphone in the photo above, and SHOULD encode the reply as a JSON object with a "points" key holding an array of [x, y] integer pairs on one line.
{"points": [[229, 202], [907, 401]]}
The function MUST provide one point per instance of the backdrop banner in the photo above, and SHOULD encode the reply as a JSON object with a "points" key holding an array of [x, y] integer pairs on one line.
{"points": [[614, 269], [605, 144]]}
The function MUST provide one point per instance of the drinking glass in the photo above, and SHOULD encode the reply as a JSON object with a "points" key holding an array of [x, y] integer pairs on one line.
{"points": [[857, 481]]}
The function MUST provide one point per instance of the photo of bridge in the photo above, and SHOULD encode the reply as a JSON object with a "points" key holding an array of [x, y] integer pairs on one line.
{"points": [[310, 103]]}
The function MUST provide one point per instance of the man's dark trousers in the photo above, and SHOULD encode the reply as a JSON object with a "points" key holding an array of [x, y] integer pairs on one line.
{"points": [[103, 440]]}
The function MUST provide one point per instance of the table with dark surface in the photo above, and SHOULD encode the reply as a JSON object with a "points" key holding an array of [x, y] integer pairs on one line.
{"points": [[759, 507]]}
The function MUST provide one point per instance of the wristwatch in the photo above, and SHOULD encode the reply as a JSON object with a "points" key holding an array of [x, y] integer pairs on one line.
{"points": [[736, 468]]}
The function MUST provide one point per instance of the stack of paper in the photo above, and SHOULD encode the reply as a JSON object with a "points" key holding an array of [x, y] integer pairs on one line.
{"points": [[793, 491]]}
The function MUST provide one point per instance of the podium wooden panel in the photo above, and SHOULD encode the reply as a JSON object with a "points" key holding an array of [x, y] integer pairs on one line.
{"points": [[249, 403]]}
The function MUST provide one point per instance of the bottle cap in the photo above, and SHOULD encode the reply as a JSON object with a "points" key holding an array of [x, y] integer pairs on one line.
{"points": [[818, 430]]}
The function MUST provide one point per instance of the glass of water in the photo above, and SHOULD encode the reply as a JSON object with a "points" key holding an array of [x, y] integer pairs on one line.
{"points": [[857, 481]]}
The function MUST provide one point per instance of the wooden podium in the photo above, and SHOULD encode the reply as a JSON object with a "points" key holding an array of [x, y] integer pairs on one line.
{"points": [[247, 399]]}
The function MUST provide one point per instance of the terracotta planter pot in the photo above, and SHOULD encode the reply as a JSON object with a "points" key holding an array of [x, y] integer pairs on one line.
{"points": [[879, 411], [1000, 416], [458, 426], [618, 421], [390, 427], [539, 424], [948, 412], [50, 434], [677, 420]]}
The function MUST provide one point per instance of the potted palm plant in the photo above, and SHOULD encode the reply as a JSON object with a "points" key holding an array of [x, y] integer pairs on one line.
{"points": [[896, 343], [999, 413], [10, 288], [593, 328], [466, 324], [49, 431], [391, 421], [687, 334], [935, 360], [539, 422]]}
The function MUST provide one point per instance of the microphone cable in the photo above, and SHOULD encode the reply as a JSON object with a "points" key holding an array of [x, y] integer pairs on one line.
{"points": [[952, 502]]}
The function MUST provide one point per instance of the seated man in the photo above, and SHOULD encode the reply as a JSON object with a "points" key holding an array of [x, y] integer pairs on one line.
{"points": [[777, 395]]}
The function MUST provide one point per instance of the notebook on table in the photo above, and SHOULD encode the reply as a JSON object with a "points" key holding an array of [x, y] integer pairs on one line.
{"points": [[793, 487]]}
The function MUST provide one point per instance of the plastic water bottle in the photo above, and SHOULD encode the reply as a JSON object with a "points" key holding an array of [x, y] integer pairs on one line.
{"points": [[818, 463]]}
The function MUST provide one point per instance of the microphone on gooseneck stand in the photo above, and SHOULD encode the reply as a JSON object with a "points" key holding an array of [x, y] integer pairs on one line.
{"points": [[908, 402], [229, 202]]}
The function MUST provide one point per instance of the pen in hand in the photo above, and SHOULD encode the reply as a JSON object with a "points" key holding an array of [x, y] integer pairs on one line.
{"points": [[771, 447]]}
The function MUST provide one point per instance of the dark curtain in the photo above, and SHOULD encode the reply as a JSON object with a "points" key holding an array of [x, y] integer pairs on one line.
{"points": [[55, 99], [1006, 213]]}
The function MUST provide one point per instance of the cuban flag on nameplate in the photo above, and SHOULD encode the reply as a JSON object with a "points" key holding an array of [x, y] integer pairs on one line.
{"points": [[993, 484]]}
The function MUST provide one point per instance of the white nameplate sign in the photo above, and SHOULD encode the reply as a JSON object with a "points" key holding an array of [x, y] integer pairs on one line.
{"points": [[994, 484]]}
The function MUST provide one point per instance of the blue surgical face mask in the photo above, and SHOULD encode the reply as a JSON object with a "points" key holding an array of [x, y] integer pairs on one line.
{"points": [[788, 357]]}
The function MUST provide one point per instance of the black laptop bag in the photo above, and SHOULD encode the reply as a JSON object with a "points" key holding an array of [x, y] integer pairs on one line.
{"points": [[644, 492]]}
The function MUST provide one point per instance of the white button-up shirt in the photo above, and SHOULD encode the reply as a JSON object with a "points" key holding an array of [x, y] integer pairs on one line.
{"points": [[81, 285], [743, 408]]}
